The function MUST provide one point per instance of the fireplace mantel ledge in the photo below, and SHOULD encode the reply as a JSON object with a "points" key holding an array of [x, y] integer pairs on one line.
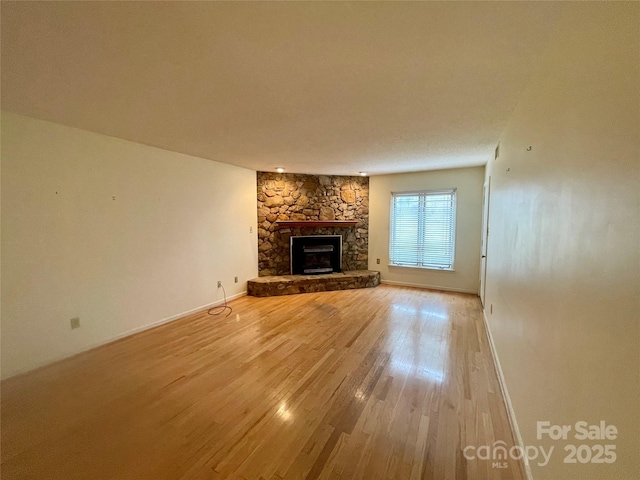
{"points": [[316, 223]]}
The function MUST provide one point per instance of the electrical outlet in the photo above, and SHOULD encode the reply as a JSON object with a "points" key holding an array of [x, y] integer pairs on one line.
{"points": [[378, 261], [250, 229], [219, 283], [235, 279], [75, 322]]}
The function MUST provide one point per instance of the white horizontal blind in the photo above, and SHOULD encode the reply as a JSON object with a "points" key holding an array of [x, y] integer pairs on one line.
{"points": [[423, 228]]}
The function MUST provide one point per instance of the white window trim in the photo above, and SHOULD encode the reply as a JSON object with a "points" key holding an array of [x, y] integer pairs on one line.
{"points": [[415, 267], [453, 220]]}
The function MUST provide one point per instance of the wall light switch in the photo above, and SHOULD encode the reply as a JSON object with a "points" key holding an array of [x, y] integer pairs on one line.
{"points": [[75, 322], [250, 229]]}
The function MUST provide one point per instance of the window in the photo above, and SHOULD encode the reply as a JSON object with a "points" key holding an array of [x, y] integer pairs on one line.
{"points": [[423, 227]]}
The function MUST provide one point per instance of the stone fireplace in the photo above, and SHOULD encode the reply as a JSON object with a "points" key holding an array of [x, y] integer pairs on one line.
{"points": [[296, 197]]}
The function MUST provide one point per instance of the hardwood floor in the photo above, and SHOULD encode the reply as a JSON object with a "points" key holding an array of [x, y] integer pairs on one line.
{"points": [[382, 383]]}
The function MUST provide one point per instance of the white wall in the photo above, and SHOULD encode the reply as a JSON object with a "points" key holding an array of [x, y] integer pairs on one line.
{"points": [[469, 182], [119, 234], [563, 262]]}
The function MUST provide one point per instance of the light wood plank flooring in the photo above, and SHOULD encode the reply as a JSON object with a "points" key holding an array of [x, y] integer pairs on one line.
{"points": [[381, 383]]}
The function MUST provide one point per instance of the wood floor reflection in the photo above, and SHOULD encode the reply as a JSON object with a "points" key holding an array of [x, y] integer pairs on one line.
{"points": [[388, 383]]}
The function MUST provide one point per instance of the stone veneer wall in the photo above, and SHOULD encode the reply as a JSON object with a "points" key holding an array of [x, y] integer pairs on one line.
{"points": [[290, 196]]}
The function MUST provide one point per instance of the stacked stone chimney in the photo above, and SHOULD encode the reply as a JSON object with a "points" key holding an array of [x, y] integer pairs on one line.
{"points": [[289, 196]]}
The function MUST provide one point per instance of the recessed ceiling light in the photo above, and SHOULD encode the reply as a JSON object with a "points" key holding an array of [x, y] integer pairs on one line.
{"points": [[363, 174], [280, 170]]}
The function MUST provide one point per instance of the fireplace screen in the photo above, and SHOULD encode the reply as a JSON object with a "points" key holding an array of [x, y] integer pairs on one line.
{"points": [[315, 254]]}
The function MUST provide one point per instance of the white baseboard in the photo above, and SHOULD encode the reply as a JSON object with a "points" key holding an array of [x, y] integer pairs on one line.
{"points": [[133, 331], [429, 287], [168, 319], [515, 430]]}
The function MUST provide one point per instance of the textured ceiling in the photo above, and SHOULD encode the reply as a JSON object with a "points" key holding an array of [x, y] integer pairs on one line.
{"points": [[315, 87]]}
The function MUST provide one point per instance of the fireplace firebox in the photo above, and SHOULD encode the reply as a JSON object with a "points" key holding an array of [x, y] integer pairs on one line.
{"points": [[315, 254]]}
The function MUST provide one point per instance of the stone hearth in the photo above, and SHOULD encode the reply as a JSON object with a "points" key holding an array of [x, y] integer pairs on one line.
{"points": [[292, 284]]}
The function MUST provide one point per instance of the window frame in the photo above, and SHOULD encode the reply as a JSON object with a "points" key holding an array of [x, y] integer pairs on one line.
{"points": [[421, 227]]}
